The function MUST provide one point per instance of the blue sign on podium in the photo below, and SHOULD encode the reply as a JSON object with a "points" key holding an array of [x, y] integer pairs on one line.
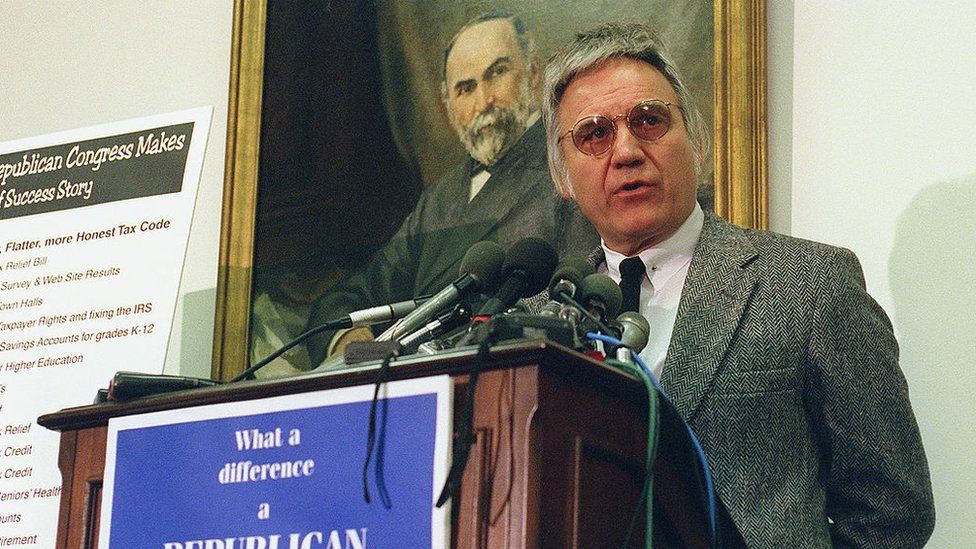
{"points": [[282, 472]]}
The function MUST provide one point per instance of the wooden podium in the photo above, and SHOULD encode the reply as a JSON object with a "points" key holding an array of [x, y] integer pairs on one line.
{"points": [[558, 459]]}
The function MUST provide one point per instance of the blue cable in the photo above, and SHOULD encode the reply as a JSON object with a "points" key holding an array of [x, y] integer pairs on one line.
{"points": [[709, 490]]}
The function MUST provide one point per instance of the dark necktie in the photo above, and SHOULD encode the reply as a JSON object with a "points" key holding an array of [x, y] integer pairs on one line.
{"points": [[631, 273], [475, 168]]}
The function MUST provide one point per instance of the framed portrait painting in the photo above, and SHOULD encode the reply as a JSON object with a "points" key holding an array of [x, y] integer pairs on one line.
{"points": [[342, 113]]}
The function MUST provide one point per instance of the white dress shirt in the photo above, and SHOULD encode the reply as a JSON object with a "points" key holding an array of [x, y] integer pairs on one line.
{"points": [[667, 267]]}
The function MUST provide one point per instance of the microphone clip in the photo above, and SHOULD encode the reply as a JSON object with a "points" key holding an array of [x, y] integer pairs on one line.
{"points": [[523, 326], [366, 351]]}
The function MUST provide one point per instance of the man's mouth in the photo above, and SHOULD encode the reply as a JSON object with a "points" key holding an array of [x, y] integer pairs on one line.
{"points": [[633, 187], [483, 129], [484, 121]]}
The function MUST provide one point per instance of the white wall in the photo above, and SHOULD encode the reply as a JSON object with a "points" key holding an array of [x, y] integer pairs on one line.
{"points": [[72, 64], [873, 148]]}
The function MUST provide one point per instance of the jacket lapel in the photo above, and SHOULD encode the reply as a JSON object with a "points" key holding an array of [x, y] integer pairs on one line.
{"points": [[714, 296], [514, 187]]}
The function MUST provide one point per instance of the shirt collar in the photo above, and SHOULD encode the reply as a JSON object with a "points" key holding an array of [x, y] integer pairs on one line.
{"points": [[667, 257]]}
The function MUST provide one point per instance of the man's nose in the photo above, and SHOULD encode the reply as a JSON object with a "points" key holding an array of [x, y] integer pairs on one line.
{"points": [[626, 150], [486, 98]]}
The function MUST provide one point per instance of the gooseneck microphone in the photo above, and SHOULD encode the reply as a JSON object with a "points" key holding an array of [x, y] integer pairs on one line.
{"points": [[526, 271], [480, 270]]}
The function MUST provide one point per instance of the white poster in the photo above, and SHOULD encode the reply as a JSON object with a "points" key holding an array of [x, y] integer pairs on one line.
{"points": [[93, 230]]}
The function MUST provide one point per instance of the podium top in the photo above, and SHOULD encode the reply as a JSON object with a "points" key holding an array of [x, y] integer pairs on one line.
{"points": [[456, 363]]}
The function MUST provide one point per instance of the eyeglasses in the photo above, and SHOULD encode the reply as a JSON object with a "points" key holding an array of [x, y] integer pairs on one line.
{"points": [[647, 121]]}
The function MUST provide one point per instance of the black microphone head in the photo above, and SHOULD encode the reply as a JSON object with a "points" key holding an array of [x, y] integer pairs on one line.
{"points": [[569, 276], [535, 259], [601, 290], [483, 262], [636, 330]]}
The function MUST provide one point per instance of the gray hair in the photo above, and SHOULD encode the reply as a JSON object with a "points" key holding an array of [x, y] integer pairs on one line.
{"points": [[610, 40]]}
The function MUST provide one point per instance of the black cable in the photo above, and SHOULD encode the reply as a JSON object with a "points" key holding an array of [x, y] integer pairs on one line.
{"points": [[466, 437], [380, 460], [249, 373], [381, 378]]}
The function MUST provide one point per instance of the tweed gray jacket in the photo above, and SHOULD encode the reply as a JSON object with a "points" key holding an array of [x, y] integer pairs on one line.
{"points": [[788, 372]]}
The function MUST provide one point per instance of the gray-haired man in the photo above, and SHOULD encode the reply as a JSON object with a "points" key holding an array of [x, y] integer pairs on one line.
{"points": [[769, 346]]}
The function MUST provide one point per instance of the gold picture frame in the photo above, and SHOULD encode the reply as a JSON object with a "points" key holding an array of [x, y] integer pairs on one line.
{"points": [[739, 142]]}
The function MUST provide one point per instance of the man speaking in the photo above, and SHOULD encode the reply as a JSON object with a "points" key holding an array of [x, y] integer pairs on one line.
{"points": [[502, 192], [769, 346]]}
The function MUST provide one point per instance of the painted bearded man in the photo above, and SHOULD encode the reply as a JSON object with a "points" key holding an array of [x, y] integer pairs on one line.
{"points": [[502, 192]]}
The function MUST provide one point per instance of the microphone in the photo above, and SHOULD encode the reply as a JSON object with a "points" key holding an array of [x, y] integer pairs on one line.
{"points": [[129, 385], [636, 330], [597, 298], [569, 277], [375, 315], [382, 313], [601, 295], [444, 322], [480, 270], [528, 266]]}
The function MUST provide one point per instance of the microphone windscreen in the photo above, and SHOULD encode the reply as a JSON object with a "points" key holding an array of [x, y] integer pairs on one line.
{"points": [[572, 270], [483, 262], [536, 259], [602, 289], [636, 330]]}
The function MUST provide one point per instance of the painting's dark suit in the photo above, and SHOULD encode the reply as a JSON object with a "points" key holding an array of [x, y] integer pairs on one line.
{"points": [[787, 370], [518, 200]]}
